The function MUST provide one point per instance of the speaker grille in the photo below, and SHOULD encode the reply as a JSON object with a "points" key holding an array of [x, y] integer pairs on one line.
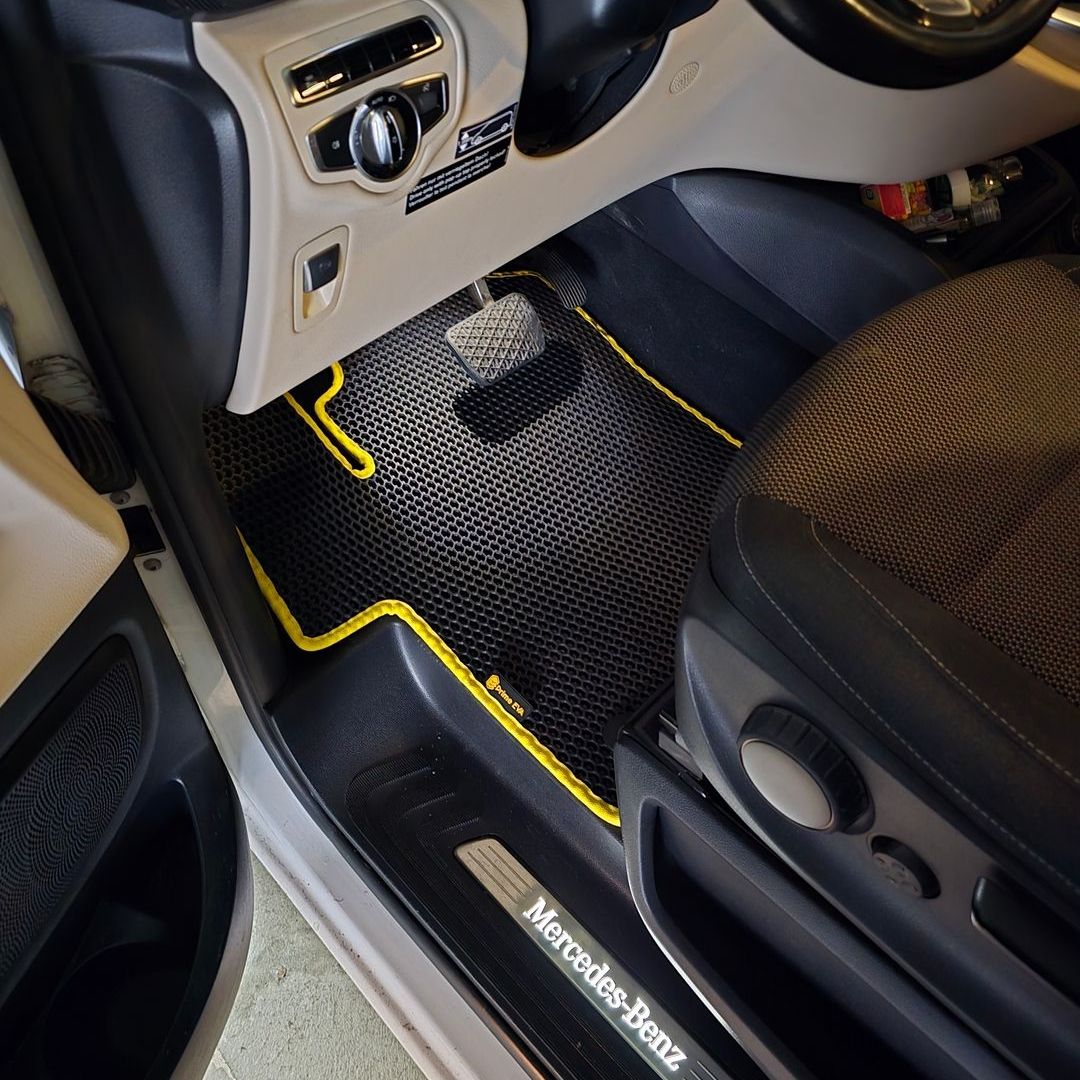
{"points": [[54, 814]]}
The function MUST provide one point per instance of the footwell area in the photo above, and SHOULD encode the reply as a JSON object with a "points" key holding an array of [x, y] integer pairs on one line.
{"points": [[538, 534]]}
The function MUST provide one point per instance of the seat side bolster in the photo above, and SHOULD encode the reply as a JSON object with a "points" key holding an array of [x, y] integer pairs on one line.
{"points": [[989, 736]]}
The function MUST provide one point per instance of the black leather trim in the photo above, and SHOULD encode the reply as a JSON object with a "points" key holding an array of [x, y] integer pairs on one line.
{"points": [[993, 739]]}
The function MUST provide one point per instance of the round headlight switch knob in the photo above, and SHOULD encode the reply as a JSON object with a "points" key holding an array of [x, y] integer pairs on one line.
{"points": [[385, 135], [800, 771]]}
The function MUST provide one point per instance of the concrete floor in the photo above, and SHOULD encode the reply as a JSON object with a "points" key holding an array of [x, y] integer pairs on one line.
{"points": [[298, 1015]]}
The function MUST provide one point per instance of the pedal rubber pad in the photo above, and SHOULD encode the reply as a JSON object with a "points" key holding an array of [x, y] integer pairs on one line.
{"points": [[498, 339]]}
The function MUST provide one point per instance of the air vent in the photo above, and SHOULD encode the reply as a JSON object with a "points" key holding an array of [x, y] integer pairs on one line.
{"points": [[362, 59]]}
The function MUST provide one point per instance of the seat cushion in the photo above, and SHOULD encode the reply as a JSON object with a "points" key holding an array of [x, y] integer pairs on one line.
{"points": [[942, 442], [905, 525]]}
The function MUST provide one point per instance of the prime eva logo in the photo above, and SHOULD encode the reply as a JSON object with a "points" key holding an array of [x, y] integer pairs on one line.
{"points": [[508, 696], [633, 1011]]}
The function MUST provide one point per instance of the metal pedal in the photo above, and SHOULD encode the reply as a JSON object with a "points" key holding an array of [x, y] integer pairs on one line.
{"points": [[499, 338]]}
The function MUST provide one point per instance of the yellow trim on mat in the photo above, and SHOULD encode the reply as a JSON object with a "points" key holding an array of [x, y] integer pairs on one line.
{"points": [[398, 608], [630, 361], [328, 433], [367, 462]]}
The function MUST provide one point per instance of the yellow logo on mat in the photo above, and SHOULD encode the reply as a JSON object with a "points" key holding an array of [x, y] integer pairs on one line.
{"points": [[494, 684]]}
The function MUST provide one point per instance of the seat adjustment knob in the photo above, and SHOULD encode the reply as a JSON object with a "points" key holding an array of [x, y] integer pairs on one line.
{"points": [[903, 868], [800, 771]]}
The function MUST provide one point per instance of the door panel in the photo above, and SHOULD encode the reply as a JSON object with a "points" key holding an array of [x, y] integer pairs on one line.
{"points": [[59, 542], [125, 901], [123, 858]]}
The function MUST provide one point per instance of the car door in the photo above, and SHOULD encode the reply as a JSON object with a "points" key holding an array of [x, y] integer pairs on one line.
{"points": [[124, 877]]}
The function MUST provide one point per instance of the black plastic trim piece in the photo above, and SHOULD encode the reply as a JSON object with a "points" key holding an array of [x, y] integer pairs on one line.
{"points": [[804, 991], [410, 766], [180, 782], [139, 140], [586, 60], [727, 666], [1030, 930]]}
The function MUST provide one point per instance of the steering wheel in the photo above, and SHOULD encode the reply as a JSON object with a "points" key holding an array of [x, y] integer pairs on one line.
{"points": [[911, 44]]}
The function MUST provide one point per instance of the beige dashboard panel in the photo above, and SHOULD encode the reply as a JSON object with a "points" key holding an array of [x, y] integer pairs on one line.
{"points": [[757, 103], [300, 120]]}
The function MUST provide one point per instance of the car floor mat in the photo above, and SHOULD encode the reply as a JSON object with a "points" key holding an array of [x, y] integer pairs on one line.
{"points": [[538, 533]]}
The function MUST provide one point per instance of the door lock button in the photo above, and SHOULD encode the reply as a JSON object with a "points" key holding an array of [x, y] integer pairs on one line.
{"points": [[330, 143], [430, 96]]}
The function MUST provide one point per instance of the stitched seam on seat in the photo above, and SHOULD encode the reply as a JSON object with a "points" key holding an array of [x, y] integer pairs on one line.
{"points": [[881, 719], [945, 669]]}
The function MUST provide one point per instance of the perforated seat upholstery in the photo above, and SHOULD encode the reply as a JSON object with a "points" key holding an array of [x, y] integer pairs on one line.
{"points": [[905, 525]]}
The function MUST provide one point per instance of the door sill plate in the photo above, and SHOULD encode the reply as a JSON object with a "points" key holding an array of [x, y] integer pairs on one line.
{"points": [[658, 1039]]}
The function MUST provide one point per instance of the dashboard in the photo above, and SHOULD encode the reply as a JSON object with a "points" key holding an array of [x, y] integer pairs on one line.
{"points": [[385, 173]]}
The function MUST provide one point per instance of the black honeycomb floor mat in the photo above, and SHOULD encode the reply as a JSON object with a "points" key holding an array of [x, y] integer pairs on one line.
{"points": [[542, 530]]}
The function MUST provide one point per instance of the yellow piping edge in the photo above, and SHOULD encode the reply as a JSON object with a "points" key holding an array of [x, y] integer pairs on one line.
{"points": [[628, 359], [398, 608], [331, 431], [367, 462]]}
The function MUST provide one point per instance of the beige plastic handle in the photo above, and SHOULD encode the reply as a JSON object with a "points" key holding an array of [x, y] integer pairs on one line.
{"points": [[59, 540]]}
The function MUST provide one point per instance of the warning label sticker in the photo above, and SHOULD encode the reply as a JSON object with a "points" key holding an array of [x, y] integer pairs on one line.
{"points": [[486, 131], [463, 172]]}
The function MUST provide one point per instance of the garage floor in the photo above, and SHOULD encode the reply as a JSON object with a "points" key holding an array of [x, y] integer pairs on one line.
{"points": [[297, 1013]]}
